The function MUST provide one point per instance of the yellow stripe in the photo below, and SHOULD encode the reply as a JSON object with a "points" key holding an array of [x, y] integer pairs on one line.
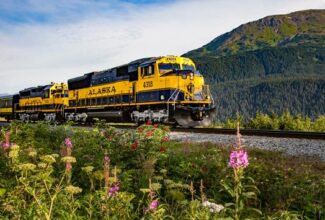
{"points": [[141, 103], [5, 110]]}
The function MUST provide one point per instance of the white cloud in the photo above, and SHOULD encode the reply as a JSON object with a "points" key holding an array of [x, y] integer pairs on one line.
{"points": [[35, 54]]}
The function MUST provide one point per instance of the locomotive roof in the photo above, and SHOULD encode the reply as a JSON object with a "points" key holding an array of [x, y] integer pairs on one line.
{"points": [[35, 88], [140, 62], [6, 96]]}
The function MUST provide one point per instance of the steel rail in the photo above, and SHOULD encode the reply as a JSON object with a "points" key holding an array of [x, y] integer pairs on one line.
{"points": [[257, 132], [228, 131]]}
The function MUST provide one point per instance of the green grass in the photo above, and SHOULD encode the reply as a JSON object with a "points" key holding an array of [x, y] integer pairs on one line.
{"points": [[286, 185]]}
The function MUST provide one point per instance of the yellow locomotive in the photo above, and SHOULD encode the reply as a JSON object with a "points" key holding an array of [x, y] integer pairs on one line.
{"points": [[165, 89], [161, 89], [42, 103], [6, 107]]}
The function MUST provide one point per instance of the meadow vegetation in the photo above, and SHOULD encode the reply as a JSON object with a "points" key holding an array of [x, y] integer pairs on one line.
{"points": [[285, 121], [61, 172]]}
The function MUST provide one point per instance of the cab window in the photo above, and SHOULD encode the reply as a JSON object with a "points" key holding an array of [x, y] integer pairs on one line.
{"points": [[166, 67], [148, 70], [188, 67]]}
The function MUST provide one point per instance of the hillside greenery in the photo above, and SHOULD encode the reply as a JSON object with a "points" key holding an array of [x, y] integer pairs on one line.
{"points": [[269, 65], [285, 121]]}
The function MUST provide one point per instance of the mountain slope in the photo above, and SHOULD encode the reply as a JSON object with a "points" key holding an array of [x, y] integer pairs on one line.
{"points": [[306, 28], [269, 65]]}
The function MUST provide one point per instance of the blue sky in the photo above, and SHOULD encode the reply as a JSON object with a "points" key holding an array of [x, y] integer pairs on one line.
{"points": [[44, 41], [52, 11]]}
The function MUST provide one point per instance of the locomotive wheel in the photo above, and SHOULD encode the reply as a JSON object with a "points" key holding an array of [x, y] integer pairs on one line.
{"points": [[185, 120]]}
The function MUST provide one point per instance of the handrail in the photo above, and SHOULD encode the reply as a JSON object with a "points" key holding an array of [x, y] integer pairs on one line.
{"points": [[173, 98]]}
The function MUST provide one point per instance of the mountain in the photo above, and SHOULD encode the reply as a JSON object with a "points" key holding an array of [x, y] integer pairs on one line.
{"points": [[274, 64]]}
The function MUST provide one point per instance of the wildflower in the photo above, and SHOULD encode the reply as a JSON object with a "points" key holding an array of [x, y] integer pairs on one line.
{"points": [[55, 155], [165, 139], [162, 149], [68, 167], [149, 122], [48, 159], [140, 130], [15, 147], [73, 189], [134, 146], [238, 159], [149, 134], [98, 175], [213, 207], [42, 165], [153, 205], [14, 152], [26, 166], [87, 169], [106, 159], [68, 159], [68, 143], [5, 145], [113, 190], [155, 125], [7, 137], [106, 170], [32, 153]]}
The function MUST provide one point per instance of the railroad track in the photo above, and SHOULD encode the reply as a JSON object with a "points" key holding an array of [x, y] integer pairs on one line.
{"points": [[246, 132], [257, 132]]}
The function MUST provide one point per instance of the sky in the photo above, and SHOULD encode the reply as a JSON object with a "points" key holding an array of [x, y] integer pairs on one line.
{"points": [[43, 41]]}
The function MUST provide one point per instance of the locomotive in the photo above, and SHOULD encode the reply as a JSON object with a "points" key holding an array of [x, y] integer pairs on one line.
{"points": [[165, 89]]}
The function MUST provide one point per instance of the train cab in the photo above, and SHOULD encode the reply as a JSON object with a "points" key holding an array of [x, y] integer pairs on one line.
{"points": [[6, 110], [43, 102]]}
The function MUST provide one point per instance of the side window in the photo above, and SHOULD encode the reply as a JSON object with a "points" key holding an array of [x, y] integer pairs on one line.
{"points": [[148, 70], [46, 93]]}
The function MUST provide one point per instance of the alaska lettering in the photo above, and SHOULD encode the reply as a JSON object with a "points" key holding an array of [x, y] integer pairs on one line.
{"points": [[100, 91]]}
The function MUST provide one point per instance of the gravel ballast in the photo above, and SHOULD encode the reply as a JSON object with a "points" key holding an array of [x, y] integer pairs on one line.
{"points": [[291, 146]]}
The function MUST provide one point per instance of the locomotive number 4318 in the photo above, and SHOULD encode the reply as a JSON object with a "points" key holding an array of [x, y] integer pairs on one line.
{"points": [[148, 84]]}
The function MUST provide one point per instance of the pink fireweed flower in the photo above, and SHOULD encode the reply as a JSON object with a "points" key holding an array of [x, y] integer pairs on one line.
{"points": [[106, 170], [5, 146], [153, 205], [68, 167], [7, 137], [113, 190], [106, 160], [68, 143], [238, 159]]}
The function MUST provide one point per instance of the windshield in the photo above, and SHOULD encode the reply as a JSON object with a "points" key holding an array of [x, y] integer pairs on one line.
{"points": [[188, 67], [166, 67]]}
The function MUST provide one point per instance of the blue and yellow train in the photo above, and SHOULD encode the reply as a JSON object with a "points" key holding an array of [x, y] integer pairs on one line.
{"points": [[165, 89]]}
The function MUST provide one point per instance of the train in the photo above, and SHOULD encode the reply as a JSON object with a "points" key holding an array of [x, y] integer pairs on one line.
{"points": [[167, 89]]}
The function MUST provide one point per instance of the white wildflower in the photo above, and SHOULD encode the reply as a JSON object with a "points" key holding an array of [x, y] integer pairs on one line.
{"points": [[213, 207]]}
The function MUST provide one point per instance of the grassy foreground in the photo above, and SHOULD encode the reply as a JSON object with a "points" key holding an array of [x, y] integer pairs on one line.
{"points": [[61, 172]]}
